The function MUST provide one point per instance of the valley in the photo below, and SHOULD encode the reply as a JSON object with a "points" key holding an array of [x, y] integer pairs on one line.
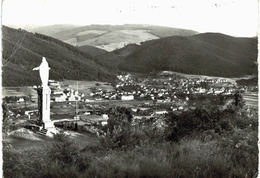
{"points": [[127, 99]]}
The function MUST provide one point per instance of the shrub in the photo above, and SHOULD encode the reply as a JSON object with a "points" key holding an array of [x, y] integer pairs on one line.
{"points": [[65, 152], [12, 166]]}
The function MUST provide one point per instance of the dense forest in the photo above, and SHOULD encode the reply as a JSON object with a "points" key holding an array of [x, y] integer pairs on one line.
{"points": [[22, 51], [205, 54]]}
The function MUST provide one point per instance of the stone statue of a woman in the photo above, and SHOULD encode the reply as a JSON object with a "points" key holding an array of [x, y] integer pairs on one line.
{"points": [[44, 72]]}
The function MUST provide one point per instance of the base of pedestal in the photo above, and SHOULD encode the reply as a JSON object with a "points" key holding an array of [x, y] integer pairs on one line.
{"points": [[49, 129], [48, 125], [51, 132]]}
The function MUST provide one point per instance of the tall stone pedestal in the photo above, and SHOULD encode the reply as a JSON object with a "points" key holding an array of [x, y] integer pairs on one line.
{"points": [[46, 98]]}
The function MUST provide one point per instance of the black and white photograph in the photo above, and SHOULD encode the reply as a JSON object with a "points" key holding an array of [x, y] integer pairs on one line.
{"points": [[130, 89]]}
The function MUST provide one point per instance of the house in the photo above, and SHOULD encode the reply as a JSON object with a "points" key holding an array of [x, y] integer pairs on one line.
{"points": [[60, 98], [87, 113], [89, 100], [180, 108], [103, 123], [30, 112], [20, 100], [223, 80], [127, 98], [218, 90], [73, 97], [211, 80], [208, 80], [57, 91], [105, 116], [160, 112], [174, 109], [214, 80], [54, 83]]}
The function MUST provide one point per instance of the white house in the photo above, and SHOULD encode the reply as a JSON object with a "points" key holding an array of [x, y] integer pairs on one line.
{"points": [[60, 98], [127, 98], [159, 112], [222, 80], [21, 100], [58, 91]]}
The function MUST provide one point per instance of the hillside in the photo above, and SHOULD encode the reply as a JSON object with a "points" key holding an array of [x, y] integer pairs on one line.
{"points": [[207, 54], [112, 59], [22, 51], [93, 51], [111, 37]]}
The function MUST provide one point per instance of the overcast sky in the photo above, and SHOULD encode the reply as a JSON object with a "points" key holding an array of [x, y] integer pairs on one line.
{"points": [[232, 17]]}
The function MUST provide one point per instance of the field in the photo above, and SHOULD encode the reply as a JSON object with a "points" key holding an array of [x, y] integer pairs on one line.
{"points": [[19, 91], [110, 41], [251, 99], [85, 86]]}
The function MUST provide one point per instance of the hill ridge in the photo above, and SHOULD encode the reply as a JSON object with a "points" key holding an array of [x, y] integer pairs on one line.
{"points": [[194, 56], [76, 36]]}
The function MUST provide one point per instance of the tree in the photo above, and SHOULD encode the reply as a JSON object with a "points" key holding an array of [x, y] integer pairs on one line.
{"points": [[119, 116], [238, 100]]}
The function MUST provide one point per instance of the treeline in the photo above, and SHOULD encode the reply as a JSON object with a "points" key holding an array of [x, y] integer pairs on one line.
{"points": [[248, 82], [12, 99]]}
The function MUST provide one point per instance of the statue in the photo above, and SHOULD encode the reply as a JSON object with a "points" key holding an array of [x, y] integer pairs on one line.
{"points": [[44, 96], [44, 72]]}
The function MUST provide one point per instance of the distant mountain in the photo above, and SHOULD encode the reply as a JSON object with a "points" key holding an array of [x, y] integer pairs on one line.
{"points": [[111, 37], [22, 51], [207, 54], [53, 29]]}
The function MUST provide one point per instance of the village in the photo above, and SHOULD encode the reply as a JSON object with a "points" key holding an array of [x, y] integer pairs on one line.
{"points": [[146, 97]]}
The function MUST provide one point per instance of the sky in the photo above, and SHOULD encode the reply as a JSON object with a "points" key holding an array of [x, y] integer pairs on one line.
{"points": [[232, 17]]}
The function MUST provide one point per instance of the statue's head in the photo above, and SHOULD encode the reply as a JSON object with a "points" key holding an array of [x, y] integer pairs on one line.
{"points": [[43, 59]]}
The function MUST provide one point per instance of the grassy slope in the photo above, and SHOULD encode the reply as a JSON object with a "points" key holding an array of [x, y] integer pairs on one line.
{"points": [[65, 61], [117, 39], [92, 50], [207, 54], [114, 58], [210, 148]]}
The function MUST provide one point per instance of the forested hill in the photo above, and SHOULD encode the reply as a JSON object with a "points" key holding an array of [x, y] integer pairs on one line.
{"points": [[93, 51], [22, 51], [210, 54]]}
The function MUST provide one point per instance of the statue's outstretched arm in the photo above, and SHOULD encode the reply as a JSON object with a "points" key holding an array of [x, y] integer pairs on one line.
{"points": [[36, 68]]}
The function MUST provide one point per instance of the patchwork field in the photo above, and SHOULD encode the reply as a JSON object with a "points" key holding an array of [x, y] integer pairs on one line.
{"points": [[251, 99], [113, 40], [18, 91]]}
